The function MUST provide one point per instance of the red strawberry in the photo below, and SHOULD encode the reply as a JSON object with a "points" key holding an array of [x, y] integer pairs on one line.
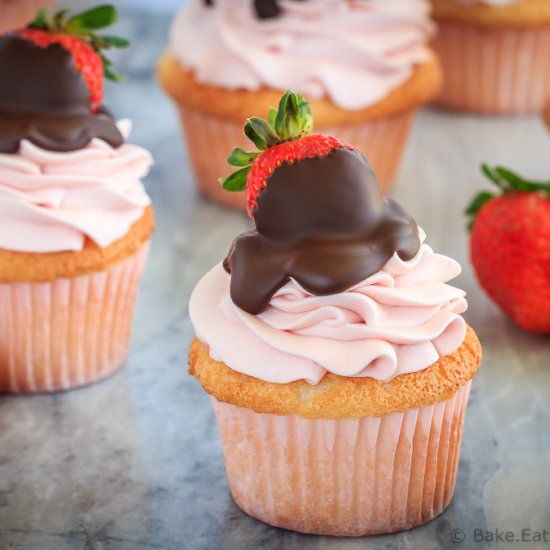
{"points": [[510, 248], [77, 35], [285, 138]]}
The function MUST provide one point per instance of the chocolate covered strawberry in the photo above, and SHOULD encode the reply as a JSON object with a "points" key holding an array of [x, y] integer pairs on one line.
{"points": [[510, 248], [286, 137], [77, 35], [320, 218]]}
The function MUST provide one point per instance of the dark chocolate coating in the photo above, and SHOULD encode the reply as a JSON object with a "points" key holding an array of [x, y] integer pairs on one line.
{"points": [[323, 222], [265, 9], [44, 99]]}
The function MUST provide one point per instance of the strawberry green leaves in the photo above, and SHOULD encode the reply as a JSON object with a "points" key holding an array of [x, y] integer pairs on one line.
{"points": [[237, 180], [239, 157], [84, 26], [114, 41], [260, 133], [272, 117], [41, 20], [294, 118], [96, 18], [507, 182], [475, 206], [291, 121]]}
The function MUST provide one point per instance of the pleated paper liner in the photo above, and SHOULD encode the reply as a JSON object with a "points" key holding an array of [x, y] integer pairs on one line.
{"points": [[501, 71], [211, 139], [346, 477], [66, 333]]}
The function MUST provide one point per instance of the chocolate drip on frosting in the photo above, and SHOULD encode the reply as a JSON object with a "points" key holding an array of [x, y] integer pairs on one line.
{"points": [[323, 222], [44, 99]]}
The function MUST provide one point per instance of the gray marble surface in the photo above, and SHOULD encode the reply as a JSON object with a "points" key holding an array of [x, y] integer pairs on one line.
{"points": [[135, 462]]}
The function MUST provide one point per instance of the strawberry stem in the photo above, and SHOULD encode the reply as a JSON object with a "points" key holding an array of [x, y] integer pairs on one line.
{"points": [[291, 121], [83, 26], [507, 182], [41, 21]]}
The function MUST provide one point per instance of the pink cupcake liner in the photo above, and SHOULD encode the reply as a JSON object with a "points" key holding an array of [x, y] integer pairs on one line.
{"points": [[66, 333], [494, 71], [15, 14], [211, 139], [346, 477]]}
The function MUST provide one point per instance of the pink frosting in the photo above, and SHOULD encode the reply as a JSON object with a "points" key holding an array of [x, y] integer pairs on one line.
{"points": [[354, 51], [400, 320], [50, 202]]}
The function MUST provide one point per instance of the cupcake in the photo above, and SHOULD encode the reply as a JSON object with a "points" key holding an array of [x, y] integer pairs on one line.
{"points": [[334, 351], [75, 220], [494, 54], [366, 66], [17, 13]]}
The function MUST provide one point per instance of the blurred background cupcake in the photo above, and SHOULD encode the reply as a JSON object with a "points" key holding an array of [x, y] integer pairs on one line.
{"points": [[366, 68], [17, 13], [495, 54], [75, 220]]}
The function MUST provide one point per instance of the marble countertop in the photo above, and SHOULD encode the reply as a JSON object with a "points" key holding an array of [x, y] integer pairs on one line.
{"points": [[135, 462]]}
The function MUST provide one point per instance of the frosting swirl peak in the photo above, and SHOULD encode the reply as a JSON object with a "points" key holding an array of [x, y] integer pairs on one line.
{"points": [[355, 51], [52, 202], [399, 320]]}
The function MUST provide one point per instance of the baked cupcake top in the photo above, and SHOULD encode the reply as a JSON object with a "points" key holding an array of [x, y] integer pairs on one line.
{"points": [[489, 2], [493, 13], [66, 173], [334, 278], [354, 52]]}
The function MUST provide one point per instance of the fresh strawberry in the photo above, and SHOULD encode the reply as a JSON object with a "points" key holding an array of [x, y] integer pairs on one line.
{"points": [[286, 137], [77, 35], [510, 248]]}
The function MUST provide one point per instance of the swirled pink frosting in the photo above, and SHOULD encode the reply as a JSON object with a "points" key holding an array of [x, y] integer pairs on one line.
{"points": [[50, 201], [400, 320], [355, 52]]}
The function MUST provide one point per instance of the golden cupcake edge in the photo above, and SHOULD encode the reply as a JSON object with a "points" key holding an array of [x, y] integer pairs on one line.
{"points": [[337, 396], [36, 267], [237, 105], [526, 13]]}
